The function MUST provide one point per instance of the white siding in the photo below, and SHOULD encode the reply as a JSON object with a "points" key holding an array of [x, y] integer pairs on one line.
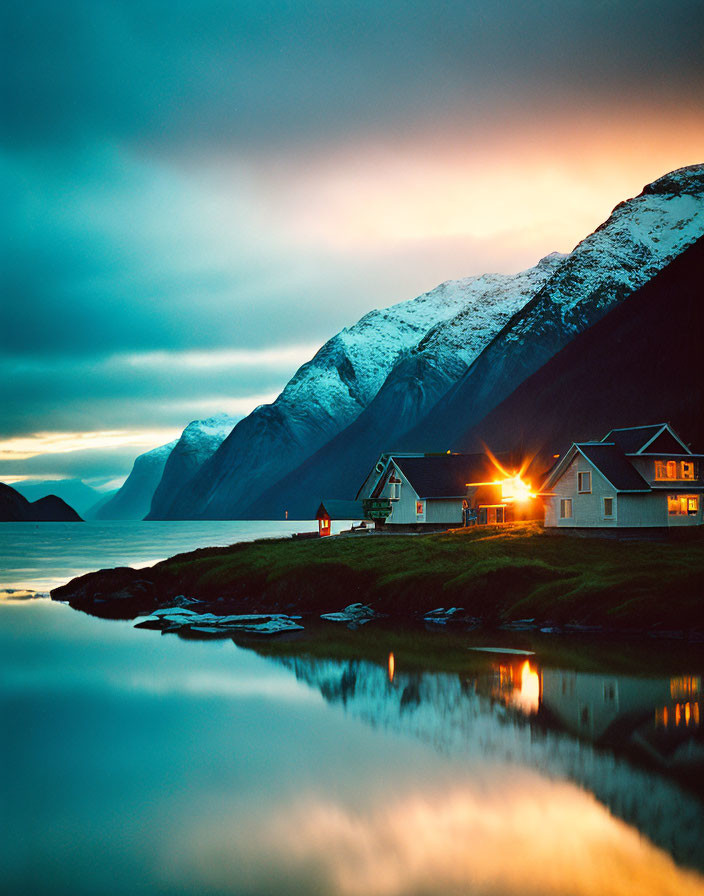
{"points": [[630, 510], [643, 510], [403, 511], [587, 510], [444, 510]]}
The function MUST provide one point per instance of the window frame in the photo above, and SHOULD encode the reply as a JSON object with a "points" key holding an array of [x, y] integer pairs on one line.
{"points": [[684, 465], [564, 502], [612, 515], [580, 489]]}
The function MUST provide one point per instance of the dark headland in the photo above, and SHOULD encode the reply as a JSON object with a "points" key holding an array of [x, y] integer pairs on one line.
{"points": [[15, 508], [497, 576]]}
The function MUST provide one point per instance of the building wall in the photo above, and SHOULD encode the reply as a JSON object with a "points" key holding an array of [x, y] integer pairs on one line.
{"points": [[587, 510], [444, 510], [404, 510], [631, 510], [642, 510]]}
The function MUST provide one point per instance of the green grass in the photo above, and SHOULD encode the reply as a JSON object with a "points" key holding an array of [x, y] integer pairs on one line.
{"points": [[497, 575]]}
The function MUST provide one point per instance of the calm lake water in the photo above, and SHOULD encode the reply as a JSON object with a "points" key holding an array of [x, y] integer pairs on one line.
{"points": [[40, 556], [370, 762]]}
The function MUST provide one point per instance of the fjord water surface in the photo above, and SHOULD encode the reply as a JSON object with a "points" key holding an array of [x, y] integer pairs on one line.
{"points": [[137, 763], [41, 556]]}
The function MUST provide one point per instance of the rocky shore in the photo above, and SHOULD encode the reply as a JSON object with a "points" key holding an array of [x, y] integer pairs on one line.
{"points": [[519, 578]]}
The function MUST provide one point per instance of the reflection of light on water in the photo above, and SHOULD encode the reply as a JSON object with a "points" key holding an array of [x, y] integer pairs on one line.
{"points": [[681, 714], [685, 686], [526, 696], [392, 667]]}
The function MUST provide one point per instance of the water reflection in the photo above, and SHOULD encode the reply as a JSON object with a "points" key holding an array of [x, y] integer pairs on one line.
{"points": [[559, 722], [136, 763]]}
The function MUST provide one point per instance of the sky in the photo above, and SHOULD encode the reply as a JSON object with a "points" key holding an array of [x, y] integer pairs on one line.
{"points": [[196, 195]]}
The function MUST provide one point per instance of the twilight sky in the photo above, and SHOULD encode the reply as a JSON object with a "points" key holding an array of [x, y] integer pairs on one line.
{"points": [[196, 195]]}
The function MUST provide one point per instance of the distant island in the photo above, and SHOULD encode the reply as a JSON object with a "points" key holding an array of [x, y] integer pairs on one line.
{"points": [[15, 508]]}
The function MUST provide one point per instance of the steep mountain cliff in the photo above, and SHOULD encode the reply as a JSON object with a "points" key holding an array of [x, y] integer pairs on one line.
{"points": [[132, 501], [438, 330], [199, 441], [419, 378], [640, 363], [640, 237]]}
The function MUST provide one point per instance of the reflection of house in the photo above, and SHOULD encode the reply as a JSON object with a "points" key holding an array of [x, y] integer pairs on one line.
{"points": [[588, 704], [514, 683], [333, 510], [635, 477], [443, 490]]}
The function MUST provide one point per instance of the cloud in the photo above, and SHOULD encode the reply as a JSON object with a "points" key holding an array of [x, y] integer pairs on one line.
{"points": [[185, 184], [522, 834]]}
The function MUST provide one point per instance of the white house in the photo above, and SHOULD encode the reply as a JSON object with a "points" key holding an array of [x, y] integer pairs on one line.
{"points": [[636, 477], [425, 491]]}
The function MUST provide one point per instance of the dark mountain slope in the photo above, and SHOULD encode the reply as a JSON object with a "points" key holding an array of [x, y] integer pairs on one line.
{"points": [[640, 237], [15, 508], [641, 363]]}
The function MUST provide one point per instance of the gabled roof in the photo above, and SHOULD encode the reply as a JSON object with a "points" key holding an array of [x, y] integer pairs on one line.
{"points": [[614, 466], [446, 475], [377, 471], [336, 509], [637, 439]]}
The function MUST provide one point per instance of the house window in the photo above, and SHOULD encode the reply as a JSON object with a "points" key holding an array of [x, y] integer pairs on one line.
{"points": [[420, 508], [666, 469], [687, 469], [566, 509], [394, 489], [608, 508], [584, 483], [682, 505]]}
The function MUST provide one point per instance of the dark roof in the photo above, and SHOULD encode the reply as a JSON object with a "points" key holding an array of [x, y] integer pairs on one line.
{"points": [[446, 475], [631, 439], [340, 510], [612, 463]]}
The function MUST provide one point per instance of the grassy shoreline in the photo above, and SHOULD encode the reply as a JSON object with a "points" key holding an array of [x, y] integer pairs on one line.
{"points": [[496, 575]]}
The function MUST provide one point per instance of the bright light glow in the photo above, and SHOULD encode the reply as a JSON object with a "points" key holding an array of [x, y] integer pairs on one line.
{"points": [[392, 667], [515, 489], [23, 447]]}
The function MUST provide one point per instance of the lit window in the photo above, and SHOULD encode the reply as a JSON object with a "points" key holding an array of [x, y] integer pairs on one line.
{"points": [[682, 505], [584, 483], [665, 469], [609, 508], [420, 508], [566, 509], [687, 469]]}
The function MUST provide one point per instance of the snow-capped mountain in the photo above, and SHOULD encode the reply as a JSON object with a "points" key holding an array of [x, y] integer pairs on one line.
{"points": [[199, 441], [420, 377], [329, 393], [420, 374], [132, 500], [640, 237]]}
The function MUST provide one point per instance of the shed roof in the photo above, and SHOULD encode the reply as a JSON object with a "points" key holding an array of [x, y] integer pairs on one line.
{"points": [[445, 475], [335, 509], [611, 462]]}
